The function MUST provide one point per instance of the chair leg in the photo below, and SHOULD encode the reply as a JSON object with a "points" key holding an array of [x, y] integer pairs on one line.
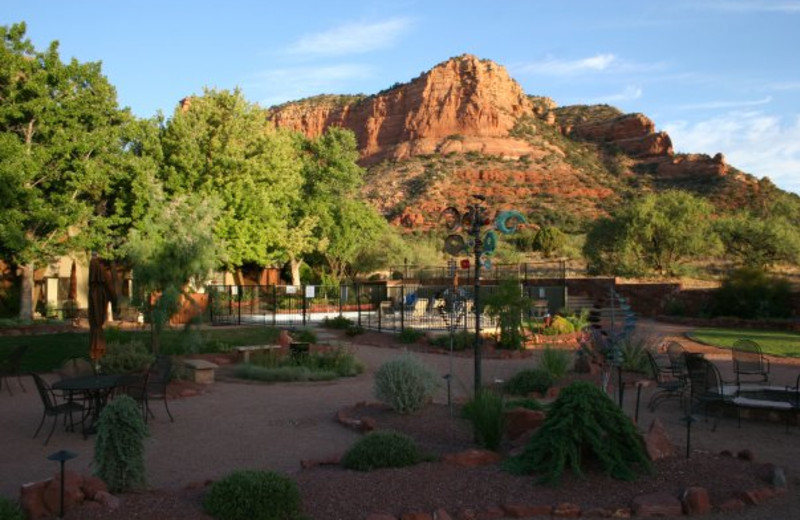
{"points": [[52, 429], [40, 425], [8, 385], [167, 407], [19, 380]]}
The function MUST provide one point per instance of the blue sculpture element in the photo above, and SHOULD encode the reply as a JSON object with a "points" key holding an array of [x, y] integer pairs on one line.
{"points": [[489, 242], [507, 221]]}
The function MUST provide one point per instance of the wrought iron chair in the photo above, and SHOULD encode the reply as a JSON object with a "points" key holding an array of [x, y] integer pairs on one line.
{"points": [[677, 360], [11, 366], [667, 385], [54, 408], [749, 361], [708, 390], [153, 385]]}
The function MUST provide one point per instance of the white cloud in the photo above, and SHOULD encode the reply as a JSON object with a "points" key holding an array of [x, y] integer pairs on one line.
{"points": [[352, 38], [276, 86], [629, 93], [599, 63], [752, 141], [716, 105]]}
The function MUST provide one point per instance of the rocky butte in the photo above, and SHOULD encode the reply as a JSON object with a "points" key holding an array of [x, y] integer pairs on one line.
{"points": [[466, 125]]}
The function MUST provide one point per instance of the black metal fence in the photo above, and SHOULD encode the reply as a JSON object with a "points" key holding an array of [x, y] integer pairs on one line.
{"points": [[380, 306]]}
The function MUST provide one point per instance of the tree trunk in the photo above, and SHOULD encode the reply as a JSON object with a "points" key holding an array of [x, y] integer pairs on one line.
{"points": [[26, 293], [294, 267]]}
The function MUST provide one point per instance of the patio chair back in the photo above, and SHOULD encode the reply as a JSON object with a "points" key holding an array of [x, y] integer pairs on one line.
{"points": [[677, 359], [52, 407], [12, 366], [749, 361], [76, 367], [667, 386], [158, 378]]}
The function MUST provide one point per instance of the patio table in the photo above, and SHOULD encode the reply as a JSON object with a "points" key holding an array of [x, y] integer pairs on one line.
{"points": [[97, 388]]}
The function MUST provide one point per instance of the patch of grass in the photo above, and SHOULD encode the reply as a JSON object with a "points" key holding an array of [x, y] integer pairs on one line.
{"points": [[283, 373], [773, 343], [47, 352]]}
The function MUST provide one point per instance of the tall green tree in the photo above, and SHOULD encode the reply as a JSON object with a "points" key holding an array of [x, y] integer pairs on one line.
{"points": [[759, 242], [654, 234], [219, 144], [60, 142]]}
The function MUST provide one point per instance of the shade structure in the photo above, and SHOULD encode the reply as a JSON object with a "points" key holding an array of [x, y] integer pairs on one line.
{"points": [[98, 303]]}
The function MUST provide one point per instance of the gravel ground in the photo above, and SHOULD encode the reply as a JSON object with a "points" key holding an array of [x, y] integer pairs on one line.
{"points": [[232, 426]]}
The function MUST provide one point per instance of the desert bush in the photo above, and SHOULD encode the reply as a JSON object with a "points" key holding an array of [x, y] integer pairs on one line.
{"points": [[751, 293], [507, 304], [530, 380], [559, 325], [10, 510], [316, 366], [339, 322], [382, 449], [633, 350], [305, 336], [253, 495], [354, 330], [405, 383], [583, 422], [485, 412], [340, 361], [283, 374], [523, 402], [555, 361], [462, 340], [121, 358], [409, 335], [119, 446]]}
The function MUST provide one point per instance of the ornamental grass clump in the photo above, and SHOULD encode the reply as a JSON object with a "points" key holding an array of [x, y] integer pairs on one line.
{"points": [[10, 510], [528, 381], [583, 422], [382, 449], [485, 412], [405, 383], [253, 495], [119, 447]]}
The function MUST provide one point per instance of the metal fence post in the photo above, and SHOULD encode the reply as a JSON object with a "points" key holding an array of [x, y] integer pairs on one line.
{"points": [[275, 304]]}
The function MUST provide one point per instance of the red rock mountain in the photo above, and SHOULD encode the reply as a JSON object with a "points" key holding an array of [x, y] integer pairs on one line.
{"points": [[466, 126]]}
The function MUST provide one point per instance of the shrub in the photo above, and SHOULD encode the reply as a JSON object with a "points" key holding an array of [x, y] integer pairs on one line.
{"points": [[382, 449], [305, 336], [283, 374], [253, 495], [121, 358], [507, 304], [633, 349], [462, 340], [751, 294], [485, 412], [340, 361], [555, 361], [119, 447], [527, 381], [409, 335], [339, 322], [583, 422], [405, 383], [10, 510], [354, 330], [525, 402], [559, 325]]}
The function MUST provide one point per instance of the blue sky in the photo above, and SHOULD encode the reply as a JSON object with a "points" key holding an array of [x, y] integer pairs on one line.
{"points": [[718, 75]]}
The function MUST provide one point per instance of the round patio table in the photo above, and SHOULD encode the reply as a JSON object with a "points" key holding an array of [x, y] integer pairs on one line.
{"points": [[97, 388]]}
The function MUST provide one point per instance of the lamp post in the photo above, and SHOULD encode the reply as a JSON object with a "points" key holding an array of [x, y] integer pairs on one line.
{"points": [[62, 456]]}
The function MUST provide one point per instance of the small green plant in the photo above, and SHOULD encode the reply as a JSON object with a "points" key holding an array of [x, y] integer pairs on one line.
{"points": [[119, 447], [633, 350], [525, 402], [485, 412], [354, 330], [10, 510], [462, 340], [253, 495], [405, 383], [339, 322], [530, 380], [555, 361], [507, 304], [583, 422], [283, 374], [305, 336], [121, 358], [382, 449], [409, 335], [560, 325]]}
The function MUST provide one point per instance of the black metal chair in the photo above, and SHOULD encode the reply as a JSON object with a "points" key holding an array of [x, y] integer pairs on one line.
{"points": [[677, 360], [749, 361], [54, 408], [153, 385], [708, 390], [667, 385], [11, 366]]}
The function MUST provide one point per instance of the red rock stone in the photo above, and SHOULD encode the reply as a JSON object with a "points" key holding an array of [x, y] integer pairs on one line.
{"points": [[490, 513], [755, 496], [731, 505], [747, 455], [284, 339], [107, 500], [31, 499], [526, 510], [368, 424], [467, 514], [596, 512], [657, 442], [621, 512], [441, 514], [73, 495], [416, 516], [521, 420], [566, 510], [696, 501], [472, 458], [656, 504], [189, 392], [91, 485]]}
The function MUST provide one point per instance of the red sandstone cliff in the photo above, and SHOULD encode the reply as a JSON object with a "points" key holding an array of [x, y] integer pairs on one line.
{"points": [[462, 105]]}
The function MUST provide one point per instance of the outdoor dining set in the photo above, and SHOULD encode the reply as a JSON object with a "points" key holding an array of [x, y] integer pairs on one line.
{"points": [[696, 381], [80, 394]]}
